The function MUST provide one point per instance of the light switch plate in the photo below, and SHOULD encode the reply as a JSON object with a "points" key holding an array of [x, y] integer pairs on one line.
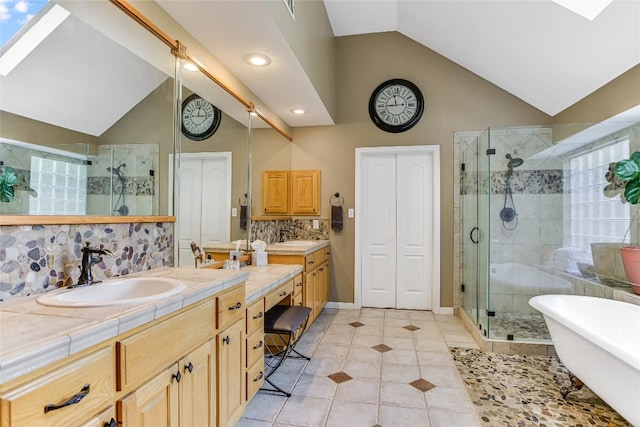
{"points": [[316, 224], [234, 211], [350, 213]]}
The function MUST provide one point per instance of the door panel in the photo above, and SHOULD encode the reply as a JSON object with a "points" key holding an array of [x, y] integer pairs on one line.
{"points": [[215, 225], [379, 251], [189, 207], [414, 259]]}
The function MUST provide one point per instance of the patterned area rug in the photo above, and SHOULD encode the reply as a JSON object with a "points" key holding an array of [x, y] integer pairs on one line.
{"points": [[517, 390]]}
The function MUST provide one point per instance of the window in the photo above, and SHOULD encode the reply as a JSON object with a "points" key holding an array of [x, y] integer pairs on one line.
{"points": [[61, 187], [594, 216]]}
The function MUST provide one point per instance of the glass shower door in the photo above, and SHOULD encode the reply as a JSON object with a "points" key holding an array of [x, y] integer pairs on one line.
{"points": [[470, 231], [485, 153]]}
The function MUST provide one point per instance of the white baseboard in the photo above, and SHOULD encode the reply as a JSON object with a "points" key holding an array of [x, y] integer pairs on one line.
{"points": [[340, 305], [444, 310]]}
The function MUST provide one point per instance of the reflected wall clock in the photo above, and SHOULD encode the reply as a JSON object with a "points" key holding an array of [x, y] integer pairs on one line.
{"points": [[200, 118]]}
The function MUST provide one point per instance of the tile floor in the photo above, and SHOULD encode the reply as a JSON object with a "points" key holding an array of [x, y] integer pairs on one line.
{"points": [[371, 367]]}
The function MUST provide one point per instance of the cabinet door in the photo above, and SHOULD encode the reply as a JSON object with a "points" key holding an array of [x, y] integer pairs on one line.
{"points": [[275, 192], [322, 287], [309, 293], [231, 371], [197, 387], [155, 404], [305, 192]]}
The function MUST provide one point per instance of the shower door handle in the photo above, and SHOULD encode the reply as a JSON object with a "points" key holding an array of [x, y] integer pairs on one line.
{"points": [[475, 242]]}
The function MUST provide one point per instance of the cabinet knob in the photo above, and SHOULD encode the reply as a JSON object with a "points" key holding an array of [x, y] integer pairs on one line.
{"points": [[298, 284], [258, 316], [236, 307], [226, 340], [257, 346], [177, 376], [189, 367], [283, 293], [71, 401], [111, 423]]}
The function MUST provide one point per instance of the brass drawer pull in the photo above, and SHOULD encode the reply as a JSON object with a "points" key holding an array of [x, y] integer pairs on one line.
{"points": [[236, 307], [259, 315], [72, 401], [259, 377], [257, 346]]}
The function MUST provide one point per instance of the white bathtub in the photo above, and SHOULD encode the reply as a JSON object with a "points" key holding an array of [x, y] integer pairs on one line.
{"points": [[598, 340], [524, 277]]}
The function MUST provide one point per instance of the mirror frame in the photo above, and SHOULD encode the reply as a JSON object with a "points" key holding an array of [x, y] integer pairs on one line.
{"points": [[179, 50]]}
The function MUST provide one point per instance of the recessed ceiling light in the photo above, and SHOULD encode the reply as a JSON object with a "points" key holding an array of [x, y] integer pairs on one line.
{"points": [[258, 59], [298, 111], [190, 67]]}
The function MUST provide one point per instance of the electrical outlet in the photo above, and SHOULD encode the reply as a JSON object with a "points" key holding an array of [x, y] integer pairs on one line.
{"points": [[350, 213], [316, 224], [234, 211]]}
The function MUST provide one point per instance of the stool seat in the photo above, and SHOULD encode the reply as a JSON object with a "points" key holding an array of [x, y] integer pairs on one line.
{"points": [[285, 318], [283, 327]]}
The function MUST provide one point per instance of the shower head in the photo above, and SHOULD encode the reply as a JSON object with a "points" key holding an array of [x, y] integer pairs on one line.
{"points": [[116, 171], [514, 162]]}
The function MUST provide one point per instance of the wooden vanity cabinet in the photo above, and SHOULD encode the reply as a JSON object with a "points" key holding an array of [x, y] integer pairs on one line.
{"points": [[275, 193], [315, 278], [90, 379], [231, 356], [305, 192]]}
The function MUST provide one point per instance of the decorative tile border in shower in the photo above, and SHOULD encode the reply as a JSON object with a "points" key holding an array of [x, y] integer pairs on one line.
{"points": [[550, 181], [134, 186], [39, 258]]}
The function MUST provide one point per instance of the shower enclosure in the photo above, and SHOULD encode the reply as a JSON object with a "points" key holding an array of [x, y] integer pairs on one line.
{"points": [[532, 206]]}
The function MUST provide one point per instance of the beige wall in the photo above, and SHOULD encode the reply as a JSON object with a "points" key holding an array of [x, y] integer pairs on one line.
{"points": [[455, 100]]}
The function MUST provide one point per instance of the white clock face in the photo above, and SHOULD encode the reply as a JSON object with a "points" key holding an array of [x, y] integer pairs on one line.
{"points": [[396, 105], [198, 116]]}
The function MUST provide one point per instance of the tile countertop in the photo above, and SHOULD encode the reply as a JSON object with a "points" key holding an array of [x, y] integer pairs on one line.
{"points": [[33, 335]]}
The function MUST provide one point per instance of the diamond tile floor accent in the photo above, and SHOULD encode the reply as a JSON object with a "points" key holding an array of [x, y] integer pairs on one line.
{"points": [[411, 328], [383, 358], [422, 385], [356, 324], [381, 348], [340, 377]]}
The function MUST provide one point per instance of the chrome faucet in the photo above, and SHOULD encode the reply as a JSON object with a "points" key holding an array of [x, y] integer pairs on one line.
{"points": [[90, 256]]}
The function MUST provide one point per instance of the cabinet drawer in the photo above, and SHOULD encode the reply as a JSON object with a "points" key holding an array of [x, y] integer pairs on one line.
{"points": [[255, 316], [255, 347], [255, 378], [230, 307], [91, 376], [277, 295], [309, 263], [297, 300], [153, 349], [297, 285], [319, 257]]}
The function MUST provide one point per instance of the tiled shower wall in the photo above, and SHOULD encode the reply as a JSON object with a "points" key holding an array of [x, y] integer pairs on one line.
{"points": [[39, 258]]}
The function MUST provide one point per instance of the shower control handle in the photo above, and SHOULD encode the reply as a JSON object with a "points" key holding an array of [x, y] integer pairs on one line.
{"points": [[475, 242]]}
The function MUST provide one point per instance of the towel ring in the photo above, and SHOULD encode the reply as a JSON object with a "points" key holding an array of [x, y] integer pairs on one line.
{"points": [[246, 200], [337, 197]]}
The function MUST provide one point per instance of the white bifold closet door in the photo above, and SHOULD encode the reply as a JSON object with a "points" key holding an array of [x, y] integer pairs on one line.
{"points": [[204, 203], [397, 230]]}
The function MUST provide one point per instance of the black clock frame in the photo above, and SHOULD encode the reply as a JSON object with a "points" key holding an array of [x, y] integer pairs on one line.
{"points": [[396, 128], [217, 119]]}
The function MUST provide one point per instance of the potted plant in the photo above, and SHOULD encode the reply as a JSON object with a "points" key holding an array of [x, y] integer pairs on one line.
{"points": [[628, 172], [8, 180]]}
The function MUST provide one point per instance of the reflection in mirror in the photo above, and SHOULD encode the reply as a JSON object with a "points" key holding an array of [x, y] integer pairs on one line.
{"points": [[93, 137], [212, 197]]}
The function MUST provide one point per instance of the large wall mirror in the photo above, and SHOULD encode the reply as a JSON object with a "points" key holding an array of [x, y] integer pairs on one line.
{"points": [[87, 114]]}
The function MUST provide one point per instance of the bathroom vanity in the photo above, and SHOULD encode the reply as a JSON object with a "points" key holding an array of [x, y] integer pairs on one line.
{"points": [[193, 358]]}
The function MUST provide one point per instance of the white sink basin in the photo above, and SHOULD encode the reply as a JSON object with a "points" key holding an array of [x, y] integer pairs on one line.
{"points": [[298, 243], [134, 290]]}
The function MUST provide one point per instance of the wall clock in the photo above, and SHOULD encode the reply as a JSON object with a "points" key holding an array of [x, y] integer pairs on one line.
{"points": [[396, 105], [200, 118]]}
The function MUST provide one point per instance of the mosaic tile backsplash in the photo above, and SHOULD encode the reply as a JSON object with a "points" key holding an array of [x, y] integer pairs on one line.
{"points": [[39, 258], [297, 229]]}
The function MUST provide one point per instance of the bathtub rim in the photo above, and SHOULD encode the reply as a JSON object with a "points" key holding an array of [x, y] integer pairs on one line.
{"points": [[538, 302]]}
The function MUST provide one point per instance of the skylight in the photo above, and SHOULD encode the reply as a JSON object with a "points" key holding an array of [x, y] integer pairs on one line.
{"points": [[589, 9], [14, 14], [25, 41]]}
